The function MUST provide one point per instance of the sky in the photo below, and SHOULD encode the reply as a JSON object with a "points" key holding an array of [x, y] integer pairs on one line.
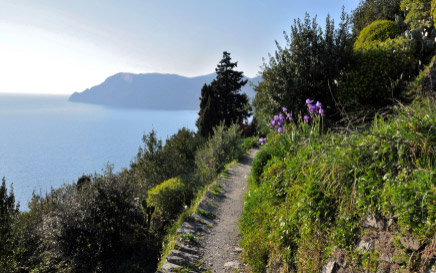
{"points": [[60, 47]]}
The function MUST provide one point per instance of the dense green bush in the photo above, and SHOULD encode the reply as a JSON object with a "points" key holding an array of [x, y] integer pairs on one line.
{"points": [[9, 240], [148, 166], [156, 162], [97, 228], [259, 162], [369, 11], [168, 198], [315, 194], [309, 65], [249, 142], [433, 10], [418, 13], [223, 147], [378, 31], [377, 71]]}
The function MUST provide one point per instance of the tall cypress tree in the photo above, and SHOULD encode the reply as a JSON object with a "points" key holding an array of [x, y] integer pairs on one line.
{"points": [[221, 101]]}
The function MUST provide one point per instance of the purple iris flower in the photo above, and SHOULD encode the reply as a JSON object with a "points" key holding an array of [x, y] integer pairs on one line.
{"points": [[312, 109], [280, 130], [285, 110], [276, 117], [306, 119], [309, 101], [318, 105], [279, 123], [289, 117], [261, 141], [281, 118], [321, 112], [273, 123]]}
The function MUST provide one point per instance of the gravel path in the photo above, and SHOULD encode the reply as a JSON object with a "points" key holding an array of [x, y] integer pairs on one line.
{"points": [[208, 240], [220, 251]]}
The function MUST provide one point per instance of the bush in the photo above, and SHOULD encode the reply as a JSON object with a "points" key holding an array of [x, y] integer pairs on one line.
{"points": [[308, 66], [433, 10], [259, 161], [377, 71], [249, 142], [97, 228], [168, 198], [378, 31], [418, 13], [148, 167], [179, 154], [369, 11], [9, 247], [223, 147], [156, 163]]}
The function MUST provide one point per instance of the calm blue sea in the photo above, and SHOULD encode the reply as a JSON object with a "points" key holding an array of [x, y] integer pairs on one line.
{"points": [[46, 141]]}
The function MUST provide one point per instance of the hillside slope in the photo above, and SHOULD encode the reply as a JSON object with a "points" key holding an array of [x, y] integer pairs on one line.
{"points": [[341, 202]]}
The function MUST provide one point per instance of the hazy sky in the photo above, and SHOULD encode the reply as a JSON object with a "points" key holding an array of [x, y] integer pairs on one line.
{"points": [[59, 47]]}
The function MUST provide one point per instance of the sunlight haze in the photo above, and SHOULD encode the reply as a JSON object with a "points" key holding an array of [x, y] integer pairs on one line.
{"points": [[60, 47]]}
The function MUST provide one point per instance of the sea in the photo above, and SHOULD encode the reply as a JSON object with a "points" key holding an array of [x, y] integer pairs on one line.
{"points": [[46, 141]]}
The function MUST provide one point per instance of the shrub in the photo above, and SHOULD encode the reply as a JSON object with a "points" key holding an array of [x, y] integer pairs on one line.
{"points": [[148, 166], [179, 154], [168, 198], [418, 13], [99, 228], [433, 10], [309, 65], [156, 163], [369, 11], [9, 248], [378, 31], [377, 71], [249, 142], [259, 162], [220, 149]]}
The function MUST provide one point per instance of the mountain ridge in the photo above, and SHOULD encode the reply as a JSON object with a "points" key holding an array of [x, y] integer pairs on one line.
{"points": [[154, 91]]}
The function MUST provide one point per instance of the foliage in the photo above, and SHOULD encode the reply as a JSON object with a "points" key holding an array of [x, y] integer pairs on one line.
{"points": [[309, 66], [149, 165], [317, 189], [97, 228], [9, 244], [221, 101], [168, 197], [377, 71], [179, 154], [249, 142], [433, 10], [221, 148], [378, 31], [156, 163], [259, 162], [369, 11], [418, 13]]}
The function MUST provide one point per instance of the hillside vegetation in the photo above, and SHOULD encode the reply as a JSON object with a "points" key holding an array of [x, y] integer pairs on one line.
{"points": [[330, 191], [344, 180], [122, 222]]}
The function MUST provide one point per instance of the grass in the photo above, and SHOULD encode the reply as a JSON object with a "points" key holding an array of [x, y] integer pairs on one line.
{"points": [[308, 200], [206, 214], [188, 237]]}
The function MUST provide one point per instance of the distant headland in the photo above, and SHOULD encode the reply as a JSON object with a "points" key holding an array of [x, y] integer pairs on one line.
{"points": [[152, 91]]}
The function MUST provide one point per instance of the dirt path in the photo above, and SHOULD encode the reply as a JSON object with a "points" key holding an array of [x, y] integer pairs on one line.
{"points": [[208, 240], [220, 246]]}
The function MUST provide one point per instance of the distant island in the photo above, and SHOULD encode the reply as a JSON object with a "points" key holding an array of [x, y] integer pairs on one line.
{"points": [[152, 91]]}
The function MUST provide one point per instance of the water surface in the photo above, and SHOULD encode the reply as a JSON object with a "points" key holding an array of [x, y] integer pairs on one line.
{"points": [[46, 141]]}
